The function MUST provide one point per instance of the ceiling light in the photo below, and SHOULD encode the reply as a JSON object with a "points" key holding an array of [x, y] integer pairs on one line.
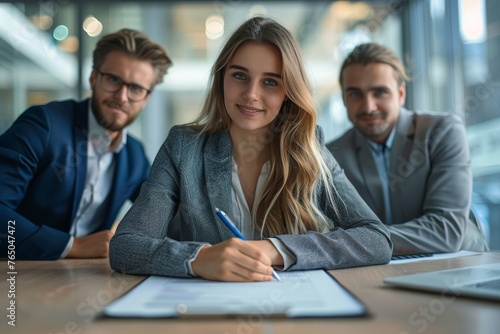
{"points": [[214, 27]]}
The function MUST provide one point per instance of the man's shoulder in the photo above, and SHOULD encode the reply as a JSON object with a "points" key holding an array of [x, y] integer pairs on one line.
{"points": [[436, 123], [433, 117], [63, 105], [345, 140], [60, 115], [55, 110], [434, 127]]}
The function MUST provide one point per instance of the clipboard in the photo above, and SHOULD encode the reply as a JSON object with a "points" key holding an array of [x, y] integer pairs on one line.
{"points": [[300, 294]]}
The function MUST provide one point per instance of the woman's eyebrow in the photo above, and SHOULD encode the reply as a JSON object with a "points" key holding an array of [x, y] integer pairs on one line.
{"points": [[242, 68]]}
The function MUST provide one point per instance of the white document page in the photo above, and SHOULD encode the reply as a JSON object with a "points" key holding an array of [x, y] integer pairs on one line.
{"points": [[299, 294]]}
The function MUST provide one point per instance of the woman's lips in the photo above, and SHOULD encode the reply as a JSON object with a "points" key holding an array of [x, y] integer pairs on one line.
{"points": [[249, 110]]}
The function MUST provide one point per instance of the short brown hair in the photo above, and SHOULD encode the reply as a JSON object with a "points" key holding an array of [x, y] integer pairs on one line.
{"points": [[136, 44], [368, 53]]}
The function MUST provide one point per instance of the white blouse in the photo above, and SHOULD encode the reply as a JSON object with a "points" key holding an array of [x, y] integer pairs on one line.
{"points": [[242, 216]]}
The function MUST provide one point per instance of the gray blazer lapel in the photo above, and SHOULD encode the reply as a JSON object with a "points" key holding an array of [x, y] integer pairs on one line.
{"points": [[369, 172], [400, 166], [218, 172]]}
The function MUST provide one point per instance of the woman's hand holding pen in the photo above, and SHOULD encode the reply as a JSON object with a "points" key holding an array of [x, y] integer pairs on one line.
{"points": [[233, 260], [268, 247]]}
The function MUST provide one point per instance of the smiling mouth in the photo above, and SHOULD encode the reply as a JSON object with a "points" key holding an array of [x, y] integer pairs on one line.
{"points": [[116, 108], [369, 118], [248, 110]]}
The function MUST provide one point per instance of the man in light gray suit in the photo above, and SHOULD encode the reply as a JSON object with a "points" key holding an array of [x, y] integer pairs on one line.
{"points": [[412, 169]]}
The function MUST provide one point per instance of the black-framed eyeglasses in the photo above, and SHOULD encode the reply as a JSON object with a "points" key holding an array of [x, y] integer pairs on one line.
{"points": [[112, 83]]}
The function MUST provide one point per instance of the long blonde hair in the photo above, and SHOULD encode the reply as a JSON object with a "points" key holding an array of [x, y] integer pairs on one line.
{"points": [[287, 204]]}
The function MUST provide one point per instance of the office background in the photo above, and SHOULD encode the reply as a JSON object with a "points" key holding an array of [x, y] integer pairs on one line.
{"points": [[451, 49]]}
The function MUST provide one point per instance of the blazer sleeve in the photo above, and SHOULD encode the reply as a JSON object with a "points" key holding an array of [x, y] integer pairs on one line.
{"points": [[141, 245], [358, 237], [442, 226], [22, 147]]}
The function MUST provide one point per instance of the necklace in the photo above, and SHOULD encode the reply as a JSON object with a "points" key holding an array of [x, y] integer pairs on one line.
{"points": [[245, 184]]}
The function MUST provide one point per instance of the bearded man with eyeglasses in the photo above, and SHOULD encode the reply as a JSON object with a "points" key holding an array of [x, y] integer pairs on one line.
{"points": [[67, 167]]}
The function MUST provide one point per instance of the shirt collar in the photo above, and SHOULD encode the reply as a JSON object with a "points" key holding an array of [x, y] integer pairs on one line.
{"points": [[376, 147], [100, 139]]}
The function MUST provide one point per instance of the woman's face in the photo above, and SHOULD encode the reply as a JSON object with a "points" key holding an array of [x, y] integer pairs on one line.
{"points": [[253, 87]]}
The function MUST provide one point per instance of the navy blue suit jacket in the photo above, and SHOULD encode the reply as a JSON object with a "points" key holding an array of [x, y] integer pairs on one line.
{"points": [[43, 164]]}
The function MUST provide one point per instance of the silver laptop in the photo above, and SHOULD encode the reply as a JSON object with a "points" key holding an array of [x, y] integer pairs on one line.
{"points": [[481, 281]]}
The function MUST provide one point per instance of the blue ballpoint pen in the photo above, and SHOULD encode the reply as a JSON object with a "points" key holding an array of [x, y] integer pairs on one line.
{"points": [[230, 225]]}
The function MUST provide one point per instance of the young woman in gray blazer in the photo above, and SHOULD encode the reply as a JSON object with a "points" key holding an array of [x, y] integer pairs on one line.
{"points": [[256, 153]]}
